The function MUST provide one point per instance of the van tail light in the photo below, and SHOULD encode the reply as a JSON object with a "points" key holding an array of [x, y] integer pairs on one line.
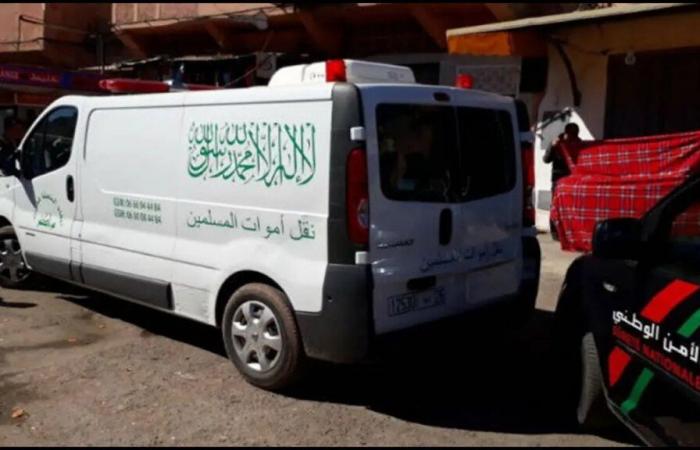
{"points": [[528, 183], [357, 197], [335, 70]]}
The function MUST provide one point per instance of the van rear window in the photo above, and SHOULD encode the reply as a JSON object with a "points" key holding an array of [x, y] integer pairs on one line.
{"points": [[444, 154]]}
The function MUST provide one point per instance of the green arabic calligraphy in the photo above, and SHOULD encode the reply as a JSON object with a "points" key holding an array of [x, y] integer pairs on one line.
{"points": [[253, 224], [267, 152]]}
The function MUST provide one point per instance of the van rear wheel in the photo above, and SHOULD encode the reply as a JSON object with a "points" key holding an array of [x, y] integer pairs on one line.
{"points": [[261, 337], [14, 273]]}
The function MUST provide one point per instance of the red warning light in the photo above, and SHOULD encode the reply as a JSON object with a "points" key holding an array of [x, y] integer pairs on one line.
{"points": [[464, 81]]}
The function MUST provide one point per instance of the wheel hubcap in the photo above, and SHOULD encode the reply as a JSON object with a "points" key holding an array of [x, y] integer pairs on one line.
{"points": [[256, 336], [12, 264]]}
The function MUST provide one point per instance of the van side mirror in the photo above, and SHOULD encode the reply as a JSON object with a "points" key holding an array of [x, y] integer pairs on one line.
{"points": [[23, 168], [619, 238]]}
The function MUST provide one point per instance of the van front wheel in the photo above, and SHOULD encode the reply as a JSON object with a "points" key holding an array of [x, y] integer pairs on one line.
{"points": [[14, 273], [261, 336]]}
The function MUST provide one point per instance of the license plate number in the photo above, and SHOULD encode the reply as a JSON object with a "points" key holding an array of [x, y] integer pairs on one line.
{"points": [[406, 303]]}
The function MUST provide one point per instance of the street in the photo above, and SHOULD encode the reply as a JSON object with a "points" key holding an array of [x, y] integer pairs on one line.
{"points": [[79, 368]]}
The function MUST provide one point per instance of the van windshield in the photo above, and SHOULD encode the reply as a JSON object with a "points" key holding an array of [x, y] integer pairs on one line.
{"points": [[444, 154]]}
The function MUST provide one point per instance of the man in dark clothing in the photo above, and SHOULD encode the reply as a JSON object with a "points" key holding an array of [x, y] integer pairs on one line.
{"points": [[560, 169], [14, 131], [554, 155]]}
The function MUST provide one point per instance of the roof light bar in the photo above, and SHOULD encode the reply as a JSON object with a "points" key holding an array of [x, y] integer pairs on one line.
{"points": [[129, 86]]}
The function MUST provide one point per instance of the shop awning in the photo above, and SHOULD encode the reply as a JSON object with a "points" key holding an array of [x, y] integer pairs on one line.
{"points": [[522, 38]]}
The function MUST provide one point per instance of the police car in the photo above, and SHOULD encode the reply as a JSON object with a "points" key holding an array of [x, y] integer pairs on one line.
{"points": [[627, 323]]}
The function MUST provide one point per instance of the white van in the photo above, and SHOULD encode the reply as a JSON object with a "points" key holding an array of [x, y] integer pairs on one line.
{"points": [[340, 203]]}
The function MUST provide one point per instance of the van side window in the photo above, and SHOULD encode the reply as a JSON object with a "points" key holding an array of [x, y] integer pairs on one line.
{"points": [[49, 145]]}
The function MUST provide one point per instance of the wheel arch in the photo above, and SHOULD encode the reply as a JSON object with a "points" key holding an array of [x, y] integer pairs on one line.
{"points": [[4, 221], [236, 281], [570, 313]]}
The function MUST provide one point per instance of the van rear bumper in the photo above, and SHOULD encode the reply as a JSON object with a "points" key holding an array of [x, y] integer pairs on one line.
{"points": [[341, 332]]}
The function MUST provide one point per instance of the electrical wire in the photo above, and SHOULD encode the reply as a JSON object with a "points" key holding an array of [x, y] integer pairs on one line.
{"points": [[566, 43], [36, 21], [186, 18], [257, 66], [25, 41], [38, 39]]}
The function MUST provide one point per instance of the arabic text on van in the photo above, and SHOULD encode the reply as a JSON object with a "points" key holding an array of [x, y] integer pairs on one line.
{"points": [[268, 152]]}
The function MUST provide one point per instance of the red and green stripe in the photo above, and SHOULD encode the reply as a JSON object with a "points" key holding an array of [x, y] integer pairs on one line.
{"points": [[657, 310], [691, 325]]}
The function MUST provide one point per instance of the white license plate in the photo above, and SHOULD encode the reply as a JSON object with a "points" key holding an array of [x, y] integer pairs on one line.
{"points": [[405, 303]]}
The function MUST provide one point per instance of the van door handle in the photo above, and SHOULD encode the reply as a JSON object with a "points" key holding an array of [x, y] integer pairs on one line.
{"points": [[69, 188], [445, 226], [421, 284]]}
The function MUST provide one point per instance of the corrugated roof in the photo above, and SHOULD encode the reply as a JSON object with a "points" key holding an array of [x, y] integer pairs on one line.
{"points": [[575, 16]]}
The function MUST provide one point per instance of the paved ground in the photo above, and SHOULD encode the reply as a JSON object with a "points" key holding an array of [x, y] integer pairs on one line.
{"points": [[86, 369]]}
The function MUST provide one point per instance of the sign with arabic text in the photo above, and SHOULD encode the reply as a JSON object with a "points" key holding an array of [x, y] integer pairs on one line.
{"points": [[673, 352], [294, 228]]}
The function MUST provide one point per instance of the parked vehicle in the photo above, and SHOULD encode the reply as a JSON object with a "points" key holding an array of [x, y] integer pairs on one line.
{"points": [[628, 319], [341, 202]]}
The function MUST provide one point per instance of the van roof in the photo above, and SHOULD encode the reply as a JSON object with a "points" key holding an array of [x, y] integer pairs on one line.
{"points": [[320, 91]]}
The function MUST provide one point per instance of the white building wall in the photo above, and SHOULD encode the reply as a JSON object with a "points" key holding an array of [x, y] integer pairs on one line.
{"points": [[587, 47]]}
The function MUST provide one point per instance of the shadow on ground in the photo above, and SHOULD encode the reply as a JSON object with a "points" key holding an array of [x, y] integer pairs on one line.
{"points": [[467, 374], [20, 305]]}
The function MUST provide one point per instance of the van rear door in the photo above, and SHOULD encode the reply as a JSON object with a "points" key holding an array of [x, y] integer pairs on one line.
{"points": [[445, 202]]}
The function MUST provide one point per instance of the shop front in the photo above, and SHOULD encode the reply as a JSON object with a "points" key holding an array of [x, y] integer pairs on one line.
{"points": [[26, 90]]}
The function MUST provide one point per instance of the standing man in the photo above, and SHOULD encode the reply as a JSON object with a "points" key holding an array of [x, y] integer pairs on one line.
{"points": [[554, 155]]}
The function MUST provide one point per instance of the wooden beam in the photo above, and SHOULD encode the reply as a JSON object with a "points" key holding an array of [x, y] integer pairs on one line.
{"points": [[222, 38], [323, 36], [433, 25], [502, 11], [132, 43], [499, 43]]}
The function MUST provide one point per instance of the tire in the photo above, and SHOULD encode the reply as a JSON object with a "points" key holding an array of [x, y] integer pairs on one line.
{"points": [[592, 411], [262, 338], [579, 376], [14, 273]]}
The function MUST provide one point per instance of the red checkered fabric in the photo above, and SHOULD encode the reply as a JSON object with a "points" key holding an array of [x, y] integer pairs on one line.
{"points": [[622, 178]]}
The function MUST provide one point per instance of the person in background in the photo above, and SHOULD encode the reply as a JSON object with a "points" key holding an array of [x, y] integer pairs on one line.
{"points": [[555, 156], [14, 132]]}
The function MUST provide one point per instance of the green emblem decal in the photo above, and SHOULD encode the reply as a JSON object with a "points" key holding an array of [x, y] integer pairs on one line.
{"points": [[48, 213]]}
